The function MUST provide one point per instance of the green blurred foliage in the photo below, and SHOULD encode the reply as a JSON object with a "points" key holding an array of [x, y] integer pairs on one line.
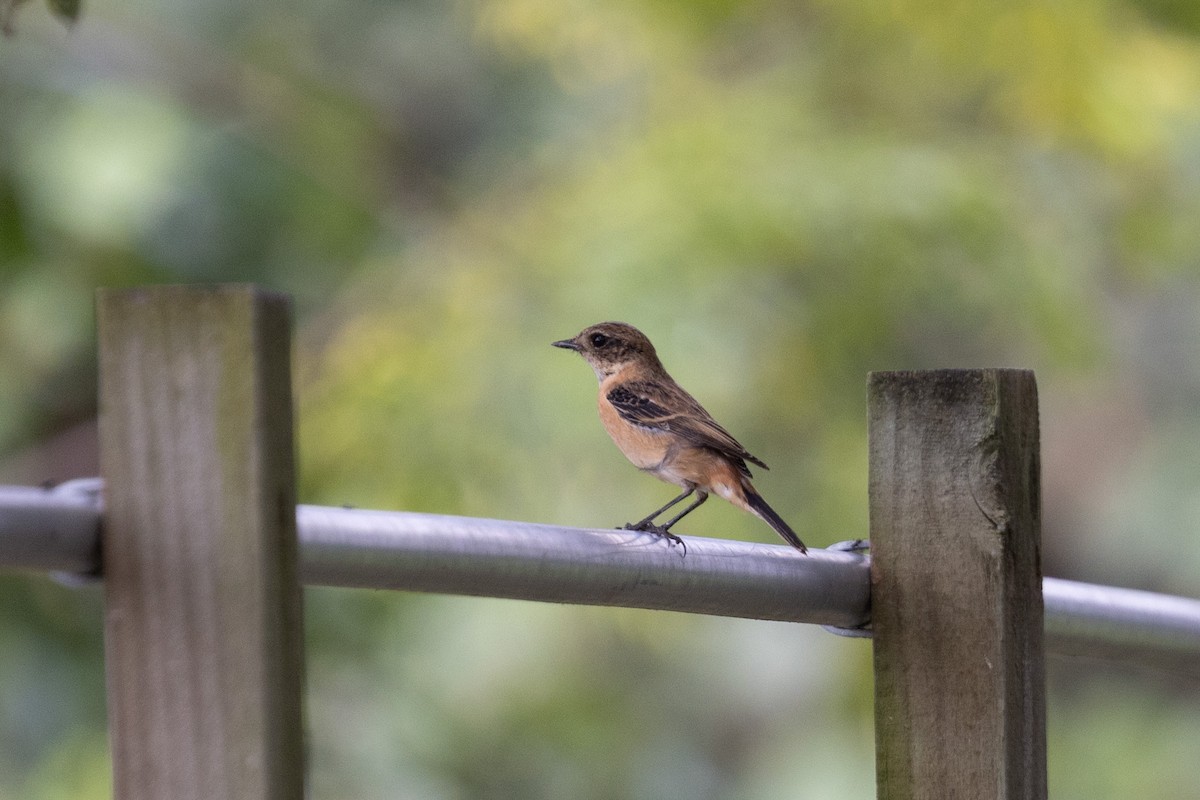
{"points": [[783, 196]]}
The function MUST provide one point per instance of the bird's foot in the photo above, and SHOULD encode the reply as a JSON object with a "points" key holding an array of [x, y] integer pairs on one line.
{"points": [[658, 530], [851, 546]]}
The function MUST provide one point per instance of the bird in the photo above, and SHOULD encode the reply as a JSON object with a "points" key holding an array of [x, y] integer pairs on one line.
{"points": [[664, 431]]}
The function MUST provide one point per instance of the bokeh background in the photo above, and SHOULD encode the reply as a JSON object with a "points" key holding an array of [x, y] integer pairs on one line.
{"points": [[783, 195]]}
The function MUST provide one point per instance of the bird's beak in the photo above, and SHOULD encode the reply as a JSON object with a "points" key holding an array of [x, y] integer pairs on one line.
{"points": [[567, 344]]}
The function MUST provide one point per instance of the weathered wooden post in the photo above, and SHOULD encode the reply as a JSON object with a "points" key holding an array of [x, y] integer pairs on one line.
{"points": [[956, 585], [203, 628]]}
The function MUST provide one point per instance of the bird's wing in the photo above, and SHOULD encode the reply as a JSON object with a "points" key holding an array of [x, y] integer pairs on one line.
{"points": [[666, 407]]}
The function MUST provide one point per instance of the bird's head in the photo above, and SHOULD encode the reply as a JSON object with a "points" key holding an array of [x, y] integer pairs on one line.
{"points": [[609, 347]]}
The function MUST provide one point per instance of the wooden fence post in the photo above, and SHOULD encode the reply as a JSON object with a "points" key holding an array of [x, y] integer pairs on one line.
{"points": [[203, 630], [956, 585]]}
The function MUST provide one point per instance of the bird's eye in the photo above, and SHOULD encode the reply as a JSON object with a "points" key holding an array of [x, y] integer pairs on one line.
{"points": [[599, 340]]}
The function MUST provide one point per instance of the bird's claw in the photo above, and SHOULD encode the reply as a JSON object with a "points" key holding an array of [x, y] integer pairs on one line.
{"points": [[657, 530]]}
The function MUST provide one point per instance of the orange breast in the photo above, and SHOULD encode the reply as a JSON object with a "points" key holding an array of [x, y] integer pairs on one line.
{"points": [[646, 449], [670, 458]]}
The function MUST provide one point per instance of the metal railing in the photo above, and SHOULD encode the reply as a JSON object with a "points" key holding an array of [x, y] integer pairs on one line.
{"points": [[57, 530]]}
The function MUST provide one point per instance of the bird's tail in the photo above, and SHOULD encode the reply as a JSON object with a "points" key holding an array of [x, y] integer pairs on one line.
{"points": [[759, 506]]}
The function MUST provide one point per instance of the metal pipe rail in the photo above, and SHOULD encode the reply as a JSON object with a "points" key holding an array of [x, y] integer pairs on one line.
{"points": [[58, 530]]}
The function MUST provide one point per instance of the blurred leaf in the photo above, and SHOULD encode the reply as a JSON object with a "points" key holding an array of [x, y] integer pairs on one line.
{"points": [[8, 14], [66, 10]]}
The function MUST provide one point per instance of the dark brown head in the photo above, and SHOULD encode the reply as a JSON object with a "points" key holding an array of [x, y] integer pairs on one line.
{"points": [[608, 347]]}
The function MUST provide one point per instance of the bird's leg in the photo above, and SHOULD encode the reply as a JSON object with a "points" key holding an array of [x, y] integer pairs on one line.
{"points": [[665, 530], [698, 502], [647, 524]]}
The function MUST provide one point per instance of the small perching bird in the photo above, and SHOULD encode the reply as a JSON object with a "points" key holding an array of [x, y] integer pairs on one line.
{"points": [[664, 431]]}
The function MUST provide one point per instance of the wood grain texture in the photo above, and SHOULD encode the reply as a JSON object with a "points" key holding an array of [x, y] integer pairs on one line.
{"points": [[203, 623], [956, 585]]}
